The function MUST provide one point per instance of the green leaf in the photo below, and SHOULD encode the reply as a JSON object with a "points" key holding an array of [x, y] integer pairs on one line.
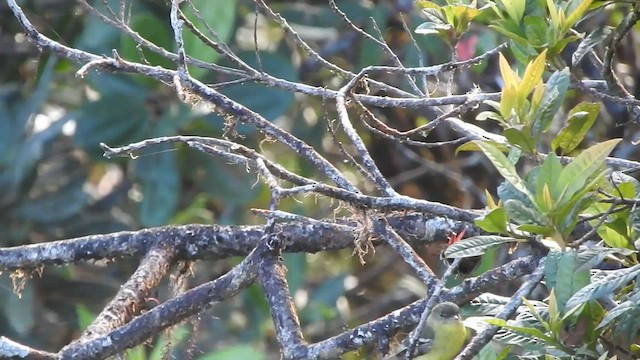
{"points": [[18, 312], [515, 8], [151, 28], [520, 135], [554, 93], [476, 245], [604, 286], [619, 310], [580, 120], [574, 176], [521, 329], [596, 37], [613, 238], [519, 212], [63, 204], [272, 102], [504, 167], [489, 115], [548, 175], [551, 264], [535, 27], [511, 31], [114, 120], [588, 258], [160, 186], [433, 12], [495, 221], [473, 146], [532, 75], [506, 191], [296, 264], [576, 14], [570, 278], [220, 15], [537, 229], [430, 28]]}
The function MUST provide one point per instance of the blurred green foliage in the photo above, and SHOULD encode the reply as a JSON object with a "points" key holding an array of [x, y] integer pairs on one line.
{"points": [[56, 184]]}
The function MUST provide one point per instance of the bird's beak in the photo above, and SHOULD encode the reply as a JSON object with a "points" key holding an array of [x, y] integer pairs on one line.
{"points": [[455, 317]]}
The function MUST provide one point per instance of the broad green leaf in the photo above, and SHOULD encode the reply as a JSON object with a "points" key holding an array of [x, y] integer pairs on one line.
{"points": [[65, 203], [596, 37], [537, 229], [160, 185], [296, 264], [525, 330], [604, 286], [114, 120], [618, 311], [495, 221], [272, 102], [613, 238], [566, 216], [533, 313], [576, 14], [508, 102], [506, 191], [514, 155], [553, 14], [506, 28], [476, 245], [509, 76], [555, 91], [574, 176], [18, 311], [519, 212], [431, 28], [532, 75], [570, 278], [535, 27], [520, 135], [548, 175], [551, 264], [147, 25], [504, 167], [588, 258], [220, 15], [473, 146], [489, 115], [434, 14], [515, 8], [580, 120]]}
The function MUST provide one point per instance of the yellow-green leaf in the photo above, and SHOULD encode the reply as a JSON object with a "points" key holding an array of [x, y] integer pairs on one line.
{"points": [[504, 167], [532, 75], [576, 14], [580, 120], [509, 76], [574, 176]]}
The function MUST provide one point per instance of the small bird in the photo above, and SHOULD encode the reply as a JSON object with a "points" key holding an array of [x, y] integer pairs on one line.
{"points": [[442, 338]]}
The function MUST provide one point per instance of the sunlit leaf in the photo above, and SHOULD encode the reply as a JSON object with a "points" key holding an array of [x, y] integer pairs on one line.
{"points": [[495, 221], [532, 75], [580, 120], [604, 286], [576, 173], [476, 245], [504, 166]]}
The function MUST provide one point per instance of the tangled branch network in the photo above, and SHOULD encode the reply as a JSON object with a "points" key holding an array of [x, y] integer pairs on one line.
{"points": [[380, 216]]}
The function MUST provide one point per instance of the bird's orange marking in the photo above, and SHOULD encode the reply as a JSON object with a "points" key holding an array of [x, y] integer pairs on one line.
{"points": [[454, 238]]}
